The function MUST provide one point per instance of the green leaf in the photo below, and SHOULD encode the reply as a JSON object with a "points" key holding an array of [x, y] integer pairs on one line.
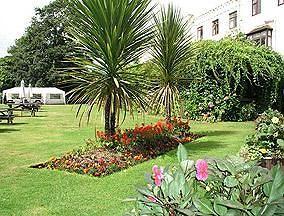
{"points": [[182, 153], [219, 209], [230, 181], [232, 204], [226, 166], [277, 187], [187, 212], [274, 191], [234, 212], [280, 142], [204, 206], [268, 210], [187, 165]]}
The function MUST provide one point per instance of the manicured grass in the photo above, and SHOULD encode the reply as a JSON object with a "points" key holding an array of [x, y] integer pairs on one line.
{"points": [[26, 191]]}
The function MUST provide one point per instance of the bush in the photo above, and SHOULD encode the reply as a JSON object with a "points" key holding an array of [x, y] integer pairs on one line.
{"points": [[212, 187], [268, 140], [249, 77], [209, 102]]}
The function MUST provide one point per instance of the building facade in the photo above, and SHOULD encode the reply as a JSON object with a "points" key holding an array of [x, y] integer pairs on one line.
{"points": [[261, 20]]}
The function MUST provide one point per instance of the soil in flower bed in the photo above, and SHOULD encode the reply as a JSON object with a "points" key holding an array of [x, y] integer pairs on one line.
{"points": [[105, 160]]}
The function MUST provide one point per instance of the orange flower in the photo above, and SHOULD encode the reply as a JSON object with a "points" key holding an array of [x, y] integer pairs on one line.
{"points": [[86, 170], [170, 126]]}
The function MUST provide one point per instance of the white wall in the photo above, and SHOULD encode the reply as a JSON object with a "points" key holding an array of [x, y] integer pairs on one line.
{"points": [[222, 13], [271, 14]]}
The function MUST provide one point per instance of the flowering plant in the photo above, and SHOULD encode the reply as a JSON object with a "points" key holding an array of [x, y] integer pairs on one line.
{"points": [[268, 140], [162, 131], [211, 187]]}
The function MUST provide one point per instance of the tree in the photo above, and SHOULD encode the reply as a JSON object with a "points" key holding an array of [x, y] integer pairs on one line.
{"points": [[111, 36], [171, 50], [39, 54], [6, 80]]}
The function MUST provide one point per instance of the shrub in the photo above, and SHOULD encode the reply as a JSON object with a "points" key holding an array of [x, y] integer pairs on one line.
{"points": [[268, 140], [207, 101], [212, 187], [251, 76]]}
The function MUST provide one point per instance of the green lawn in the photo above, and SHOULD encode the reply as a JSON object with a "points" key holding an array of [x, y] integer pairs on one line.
{"points": [[26, 191]]}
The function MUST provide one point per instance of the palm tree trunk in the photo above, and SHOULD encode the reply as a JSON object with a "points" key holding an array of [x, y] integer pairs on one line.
{"points": [[168, 113], [108, 115], [113, 118]]}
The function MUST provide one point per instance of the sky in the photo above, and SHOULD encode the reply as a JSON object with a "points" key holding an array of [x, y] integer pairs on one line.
{"points": [[15, 16]]}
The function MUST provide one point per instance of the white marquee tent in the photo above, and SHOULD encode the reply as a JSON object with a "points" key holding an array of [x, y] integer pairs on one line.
{"points": [[33, 94]]}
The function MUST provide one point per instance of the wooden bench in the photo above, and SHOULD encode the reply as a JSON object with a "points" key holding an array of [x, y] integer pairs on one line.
{"points": [[31, 107], [7, 115]]}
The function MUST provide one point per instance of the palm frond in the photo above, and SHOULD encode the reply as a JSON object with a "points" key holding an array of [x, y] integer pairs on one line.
{"points": [[111, 35], [171, 51]]}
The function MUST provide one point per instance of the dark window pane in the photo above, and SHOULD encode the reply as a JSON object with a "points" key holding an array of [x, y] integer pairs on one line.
{"points": [[55, 96], [233, 20], [215, 27], [200, 32]]}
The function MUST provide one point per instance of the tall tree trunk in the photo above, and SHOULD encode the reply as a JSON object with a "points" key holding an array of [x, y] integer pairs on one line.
{"points": [[113, 118], [108, 115], [168, 113]]}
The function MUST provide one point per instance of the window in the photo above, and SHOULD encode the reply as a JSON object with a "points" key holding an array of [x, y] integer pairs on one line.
{"points": [[55, 96], [280, 2], [263, 37], [15, 96], [200, 33], [36, 96], [215, 27], [256, 7], [233, 20]]}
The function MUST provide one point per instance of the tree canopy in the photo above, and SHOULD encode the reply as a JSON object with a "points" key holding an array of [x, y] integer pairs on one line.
{"points": [[43, 49]]}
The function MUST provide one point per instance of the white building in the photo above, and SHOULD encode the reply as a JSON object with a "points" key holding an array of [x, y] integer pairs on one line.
{"points": [[43, 95], [261, 20]]}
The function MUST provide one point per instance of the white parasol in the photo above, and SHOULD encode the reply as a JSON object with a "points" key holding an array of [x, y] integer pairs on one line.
{"points": [[22, 90], [29, 92]]}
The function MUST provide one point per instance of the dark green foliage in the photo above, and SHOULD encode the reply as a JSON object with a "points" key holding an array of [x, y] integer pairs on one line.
{"points": [[249, 77], [6, 80], [39, 54]]}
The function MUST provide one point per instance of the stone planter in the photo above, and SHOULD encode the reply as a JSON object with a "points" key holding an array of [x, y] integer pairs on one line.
{"points": [[269, 162]]}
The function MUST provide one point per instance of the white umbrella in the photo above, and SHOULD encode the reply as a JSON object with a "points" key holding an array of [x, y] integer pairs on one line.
{"points": [[22, 90], [30, 92]]}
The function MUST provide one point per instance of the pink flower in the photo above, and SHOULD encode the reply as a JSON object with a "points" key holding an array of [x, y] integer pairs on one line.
{"points": [[157, 175], [201, 170], [152, 199]]}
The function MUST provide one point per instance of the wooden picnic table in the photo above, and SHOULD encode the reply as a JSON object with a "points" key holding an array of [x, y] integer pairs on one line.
{"points": [[7, 115], [32, 107]]}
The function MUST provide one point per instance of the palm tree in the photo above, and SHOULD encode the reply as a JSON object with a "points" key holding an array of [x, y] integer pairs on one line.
{"points": [[111, 35], [171, 53]]}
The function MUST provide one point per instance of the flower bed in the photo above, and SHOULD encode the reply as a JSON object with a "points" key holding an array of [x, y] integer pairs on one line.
{"points": [[124, 148]]}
